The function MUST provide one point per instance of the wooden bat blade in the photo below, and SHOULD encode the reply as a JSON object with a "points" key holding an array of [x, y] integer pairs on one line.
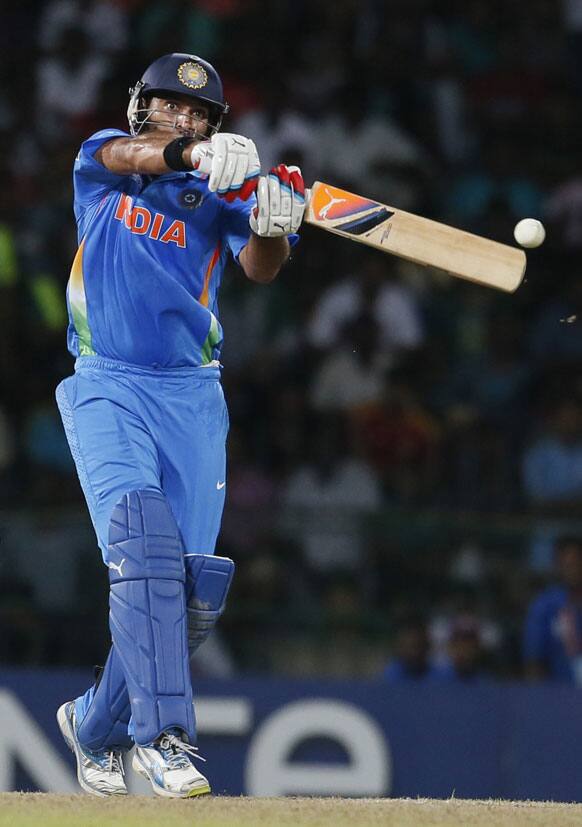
{"points": [[417, 239]]}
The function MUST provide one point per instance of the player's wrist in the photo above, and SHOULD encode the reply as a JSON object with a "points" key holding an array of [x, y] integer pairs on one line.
{"points": [[187, 156], [177, 154]]}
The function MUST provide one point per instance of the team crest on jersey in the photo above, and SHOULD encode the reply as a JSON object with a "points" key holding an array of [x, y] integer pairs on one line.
{"points": [[192, 75], [191, 199]]}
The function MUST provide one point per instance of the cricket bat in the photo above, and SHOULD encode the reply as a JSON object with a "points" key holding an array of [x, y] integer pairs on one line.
{"points": [[414, 238]]}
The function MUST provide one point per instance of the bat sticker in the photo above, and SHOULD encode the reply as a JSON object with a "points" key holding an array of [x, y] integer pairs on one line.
{"points": [[359, 226], [330, 203], [332, 200]]}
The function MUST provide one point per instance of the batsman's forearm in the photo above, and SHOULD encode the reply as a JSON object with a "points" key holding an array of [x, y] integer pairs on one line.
{"points": [[262, 258], [143, 154]]}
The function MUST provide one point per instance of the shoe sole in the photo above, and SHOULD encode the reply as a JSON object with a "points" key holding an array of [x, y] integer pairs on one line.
{"points": [[161, 791], [66, 728]]}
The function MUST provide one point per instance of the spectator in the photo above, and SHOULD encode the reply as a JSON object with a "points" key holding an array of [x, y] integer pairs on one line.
{"points": [[354, 373], [464, 661], [356, 151], [496, 182], [69, 82], [326, 498], [552, 641], [552, 464], [378, 290], [179, 26], [103, 21], [411, 661], [401, 440], [280, 130]]}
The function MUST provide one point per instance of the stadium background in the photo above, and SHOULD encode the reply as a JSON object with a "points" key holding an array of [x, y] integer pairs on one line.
{"points": [[386, 422]]}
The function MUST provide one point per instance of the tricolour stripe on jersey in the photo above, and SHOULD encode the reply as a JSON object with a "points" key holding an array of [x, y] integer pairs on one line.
{"points": [[213, 338], [204, 296], [78, 304]]}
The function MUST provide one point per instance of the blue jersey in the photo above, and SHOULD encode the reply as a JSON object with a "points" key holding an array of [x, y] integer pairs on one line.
{"points": [[553, 633], [152, 249]]}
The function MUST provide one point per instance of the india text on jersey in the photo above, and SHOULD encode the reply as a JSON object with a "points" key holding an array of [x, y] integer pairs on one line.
{"points": [[141, 221]]}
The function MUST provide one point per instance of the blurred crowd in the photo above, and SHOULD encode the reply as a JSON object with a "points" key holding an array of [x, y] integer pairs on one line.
{"points": [[405, 449]]}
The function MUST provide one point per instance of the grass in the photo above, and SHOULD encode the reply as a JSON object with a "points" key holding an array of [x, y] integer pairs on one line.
{"points": [[46, 810]]}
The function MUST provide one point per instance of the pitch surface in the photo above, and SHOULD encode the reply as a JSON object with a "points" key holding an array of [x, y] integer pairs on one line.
{"points": [[33, 809]]}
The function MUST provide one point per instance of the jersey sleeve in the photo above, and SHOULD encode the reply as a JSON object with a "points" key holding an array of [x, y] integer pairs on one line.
{"points": [[236, 225], [91, 179]]}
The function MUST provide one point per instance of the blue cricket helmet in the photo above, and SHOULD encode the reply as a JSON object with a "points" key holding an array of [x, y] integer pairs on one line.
{"points": [[178, 73]]}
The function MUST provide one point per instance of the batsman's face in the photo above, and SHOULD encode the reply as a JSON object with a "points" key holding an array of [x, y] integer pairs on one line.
{"points": [[180, 114]]}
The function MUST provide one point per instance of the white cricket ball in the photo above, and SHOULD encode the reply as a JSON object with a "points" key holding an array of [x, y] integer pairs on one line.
{"points": [[529, 232]]}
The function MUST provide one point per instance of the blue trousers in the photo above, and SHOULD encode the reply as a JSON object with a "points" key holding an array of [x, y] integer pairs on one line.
{"points": [[132, 428]]}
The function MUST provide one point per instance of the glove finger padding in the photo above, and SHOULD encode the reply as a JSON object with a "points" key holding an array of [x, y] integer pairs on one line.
{"points": [[240, 172], [298, 199], [260, 214], [286, 190], [244, 193], [274, 195], [280, 203], [232, 163], [226, 179], [218, 161]]}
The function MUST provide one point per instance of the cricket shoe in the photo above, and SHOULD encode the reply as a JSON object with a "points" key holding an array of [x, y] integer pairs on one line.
{"points": [[99, 773], [167, 764]]}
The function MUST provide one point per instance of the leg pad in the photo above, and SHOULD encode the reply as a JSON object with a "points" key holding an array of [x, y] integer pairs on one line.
{"points": [[104, 725], [148, 614], [208, 580]]}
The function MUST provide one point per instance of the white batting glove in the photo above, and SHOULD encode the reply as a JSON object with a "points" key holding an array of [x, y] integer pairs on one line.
{"points": [[280, 203], [232, 163]]}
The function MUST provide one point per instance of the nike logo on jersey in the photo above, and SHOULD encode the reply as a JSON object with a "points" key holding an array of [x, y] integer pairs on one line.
{"points": [[140, 221], [220, 485]]}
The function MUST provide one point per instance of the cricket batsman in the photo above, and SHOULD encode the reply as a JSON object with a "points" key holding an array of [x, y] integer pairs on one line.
{"points": [[144, 411]]}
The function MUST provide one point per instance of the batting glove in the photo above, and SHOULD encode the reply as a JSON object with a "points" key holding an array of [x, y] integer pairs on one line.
{"points": [[232, 163], [280, 202]]}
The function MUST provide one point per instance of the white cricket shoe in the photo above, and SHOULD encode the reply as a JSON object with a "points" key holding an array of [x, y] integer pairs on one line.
{"points": [[167, 764], [99, 773]]}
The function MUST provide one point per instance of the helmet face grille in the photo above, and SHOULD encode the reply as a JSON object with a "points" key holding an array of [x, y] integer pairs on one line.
{"points": [[140, 120]]}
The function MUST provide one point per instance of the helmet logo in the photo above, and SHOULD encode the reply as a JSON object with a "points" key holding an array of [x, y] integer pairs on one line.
{"points": [[192, 75]]}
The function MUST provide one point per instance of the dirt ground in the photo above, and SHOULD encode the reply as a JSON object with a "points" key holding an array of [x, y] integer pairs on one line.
{"points": [[36, 809]]}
